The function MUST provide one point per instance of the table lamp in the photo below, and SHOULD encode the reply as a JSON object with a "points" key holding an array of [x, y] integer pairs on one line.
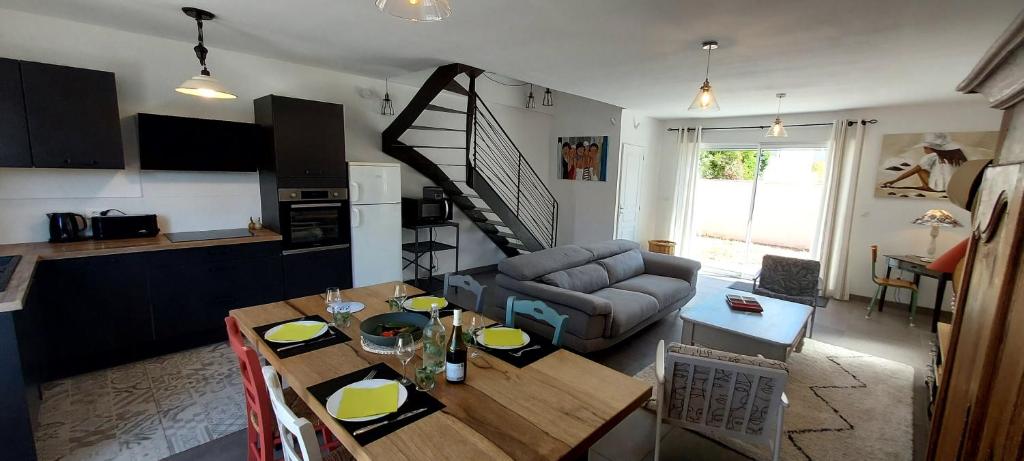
{"points": [[936, 219]]}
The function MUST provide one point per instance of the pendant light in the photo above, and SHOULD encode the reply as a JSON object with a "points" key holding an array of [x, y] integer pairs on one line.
{"points": [[531, 102], [549, 99], [416, 10], [705, 99], [777, 130], [202, 85], [387, 109]]}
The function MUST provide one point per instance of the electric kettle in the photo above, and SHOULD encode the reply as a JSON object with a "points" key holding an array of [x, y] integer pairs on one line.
{"points": [[66, 227]]}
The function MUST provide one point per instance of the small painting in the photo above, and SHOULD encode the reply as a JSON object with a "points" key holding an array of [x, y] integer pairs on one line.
{"points": [[919, 165], [583, 158]]}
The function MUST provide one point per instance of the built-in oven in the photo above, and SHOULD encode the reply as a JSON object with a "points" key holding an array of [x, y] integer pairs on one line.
{"points": [[313, 219]]}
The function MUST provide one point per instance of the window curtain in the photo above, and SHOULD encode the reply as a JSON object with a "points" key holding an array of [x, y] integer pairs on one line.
{"points": [[687, 168], [844, 159]]}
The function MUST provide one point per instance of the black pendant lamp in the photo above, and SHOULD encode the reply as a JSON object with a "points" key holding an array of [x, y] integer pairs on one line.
{"points": [[387, 109], [548, 98], [531, 102], [202, 85]]}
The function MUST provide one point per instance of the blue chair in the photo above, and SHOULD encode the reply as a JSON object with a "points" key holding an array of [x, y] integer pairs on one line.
{"points": [[467, 283], [538, 310]]}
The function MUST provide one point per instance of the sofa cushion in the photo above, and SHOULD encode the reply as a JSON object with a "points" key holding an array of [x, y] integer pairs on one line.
{"points": [[623, 266], [666, 290], [611, 248], [533, 265], [584, 279], [629, 308]]}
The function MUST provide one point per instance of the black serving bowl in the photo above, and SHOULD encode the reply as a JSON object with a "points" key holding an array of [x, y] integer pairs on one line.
{"points": [[370, 325]]}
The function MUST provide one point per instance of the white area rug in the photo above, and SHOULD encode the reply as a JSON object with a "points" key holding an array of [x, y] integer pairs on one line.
{"points": [[843, 405]]}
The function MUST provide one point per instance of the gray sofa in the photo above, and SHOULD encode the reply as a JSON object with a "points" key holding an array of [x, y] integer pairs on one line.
{"points": [[609, 290]]}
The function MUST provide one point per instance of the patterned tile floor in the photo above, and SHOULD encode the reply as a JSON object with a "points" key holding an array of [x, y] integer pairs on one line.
{"points": [[146, 410]]}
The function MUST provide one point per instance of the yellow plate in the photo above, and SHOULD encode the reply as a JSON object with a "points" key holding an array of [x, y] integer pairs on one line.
{"points": [[424, 303]]}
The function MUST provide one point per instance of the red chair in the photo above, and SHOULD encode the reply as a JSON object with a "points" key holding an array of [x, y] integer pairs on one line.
{"points": [[262, 437]]}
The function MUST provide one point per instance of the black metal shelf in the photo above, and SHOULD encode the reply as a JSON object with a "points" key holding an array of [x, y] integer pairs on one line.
{"points": [[423, 247]]}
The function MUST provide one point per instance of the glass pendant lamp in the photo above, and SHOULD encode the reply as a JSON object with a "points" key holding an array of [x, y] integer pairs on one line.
{"points": [[705, 99], [416, 10], [777, 130]]}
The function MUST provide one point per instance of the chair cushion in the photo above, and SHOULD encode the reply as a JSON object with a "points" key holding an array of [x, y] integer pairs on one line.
{"points": [[666, 290], [533, 265], [584, 279], [611, 248], [629, 308], [808, 300], [623, 266]]}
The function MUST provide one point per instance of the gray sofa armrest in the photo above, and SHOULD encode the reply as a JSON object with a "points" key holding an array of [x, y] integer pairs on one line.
{"points": [[583, 302], [671, 266]]}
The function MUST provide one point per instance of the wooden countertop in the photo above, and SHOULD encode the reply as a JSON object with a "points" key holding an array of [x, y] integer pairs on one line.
{"points": [[12, 298]]}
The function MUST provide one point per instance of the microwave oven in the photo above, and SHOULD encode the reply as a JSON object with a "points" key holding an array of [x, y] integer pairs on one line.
{"points": [[420, 211]]}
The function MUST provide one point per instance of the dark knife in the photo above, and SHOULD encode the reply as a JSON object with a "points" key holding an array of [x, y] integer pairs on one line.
{"points": [[399, 418], [292, 346]]}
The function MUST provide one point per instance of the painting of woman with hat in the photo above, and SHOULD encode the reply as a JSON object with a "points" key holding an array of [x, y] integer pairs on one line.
{"points": [[923, 169]]}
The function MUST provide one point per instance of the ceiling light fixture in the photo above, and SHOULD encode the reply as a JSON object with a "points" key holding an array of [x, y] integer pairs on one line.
{"points": [[549, 99], [202, 85], [387, 109], [531, 102], [416, 10], [705, 100], [777, 130]]}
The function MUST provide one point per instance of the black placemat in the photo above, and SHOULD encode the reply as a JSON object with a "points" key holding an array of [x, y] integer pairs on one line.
{"points": [[311, 345], [442, 312], [415, 401], [528, 357]]}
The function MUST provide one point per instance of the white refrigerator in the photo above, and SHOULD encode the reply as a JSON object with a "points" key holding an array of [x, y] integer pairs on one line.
{"points": [[375, 197]]}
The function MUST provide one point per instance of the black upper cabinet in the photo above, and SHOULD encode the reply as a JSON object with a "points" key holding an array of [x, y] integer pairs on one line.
{"points": [[14, 147], [195, 144], [72, 117], [307, 139]]}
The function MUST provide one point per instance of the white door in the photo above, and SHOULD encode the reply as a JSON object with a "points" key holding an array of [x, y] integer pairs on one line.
{"points": [[374, 183], [629, 191], [376, 244]]}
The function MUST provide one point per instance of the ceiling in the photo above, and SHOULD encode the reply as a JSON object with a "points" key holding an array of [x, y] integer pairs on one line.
{"points": [[638, 54]]}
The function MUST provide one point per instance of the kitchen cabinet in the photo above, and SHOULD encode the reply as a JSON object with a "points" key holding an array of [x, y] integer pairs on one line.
{"points": [[14, 148], [88, 313], [308, 272], [72, 117], [307, 140], [193, 290]]}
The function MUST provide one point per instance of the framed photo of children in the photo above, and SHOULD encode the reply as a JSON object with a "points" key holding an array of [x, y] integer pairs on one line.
{"points": [[583, 158], [919, 165]]}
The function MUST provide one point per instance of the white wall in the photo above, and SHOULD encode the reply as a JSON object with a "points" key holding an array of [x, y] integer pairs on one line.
{"points": [[881, 221], [148, 68]]}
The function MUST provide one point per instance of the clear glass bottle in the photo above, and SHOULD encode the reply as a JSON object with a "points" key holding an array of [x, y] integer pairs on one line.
{"points": [[434, 342]]}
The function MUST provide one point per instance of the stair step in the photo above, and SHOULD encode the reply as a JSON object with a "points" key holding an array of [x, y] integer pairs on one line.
{"points": [[493, 222], [433, 128], [430, 147], [518, 246], [455, 87], [507, 235], [437, 108]]}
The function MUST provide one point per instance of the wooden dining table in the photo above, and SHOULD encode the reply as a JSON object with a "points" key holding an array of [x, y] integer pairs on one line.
{"points": [[554, 408]]}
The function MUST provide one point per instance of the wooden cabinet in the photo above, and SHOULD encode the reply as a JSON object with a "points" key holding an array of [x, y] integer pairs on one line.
{"points": [[307, 139], [979, 411], [310, 272], [193, 290], [72, 117], [14, 146]]}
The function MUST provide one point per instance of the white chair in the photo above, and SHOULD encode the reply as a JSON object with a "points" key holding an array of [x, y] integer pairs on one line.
{"points": [[298, 439], [746, 401]]}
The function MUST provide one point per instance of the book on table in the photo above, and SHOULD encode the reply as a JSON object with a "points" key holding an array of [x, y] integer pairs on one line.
{"points": [[743, 303]]}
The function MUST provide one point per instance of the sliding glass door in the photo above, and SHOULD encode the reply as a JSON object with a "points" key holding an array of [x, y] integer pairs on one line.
{"points": [[753, 200]]}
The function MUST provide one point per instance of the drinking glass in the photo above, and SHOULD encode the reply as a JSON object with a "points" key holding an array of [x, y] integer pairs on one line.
{"points": [[425, 379], [405, 349], [474, 327], [333, 301], [400, 296]]}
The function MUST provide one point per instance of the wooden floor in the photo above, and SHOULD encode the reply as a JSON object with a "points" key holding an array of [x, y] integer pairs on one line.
{"points": [[841, 323]]}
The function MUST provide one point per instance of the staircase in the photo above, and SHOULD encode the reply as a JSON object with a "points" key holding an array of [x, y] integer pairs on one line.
{"points": [[476, 163]]}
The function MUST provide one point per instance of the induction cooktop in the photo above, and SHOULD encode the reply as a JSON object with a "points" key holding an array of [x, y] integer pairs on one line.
{"points": [[177, 237]]}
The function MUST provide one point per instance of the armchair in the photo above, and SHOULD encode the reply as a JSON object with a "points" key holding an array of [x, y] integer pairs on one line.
{"points": [[790, 279]]}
